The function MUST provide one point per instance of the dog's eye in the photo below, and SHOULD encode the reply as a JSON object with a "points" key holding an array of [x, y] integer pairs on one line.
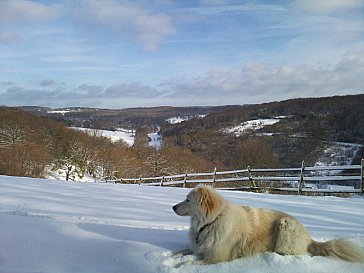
{"points": [[187, 200]]}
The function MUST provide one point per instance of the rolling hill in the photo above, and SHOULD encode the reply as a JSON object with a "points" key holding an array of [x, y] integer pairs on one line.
{"points": [[295, 130], [276, 134]]}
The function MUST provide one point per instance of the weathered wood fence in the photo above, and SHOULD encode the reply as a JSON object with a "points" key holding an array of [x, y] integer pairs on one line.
{"points": [[326, 179]]}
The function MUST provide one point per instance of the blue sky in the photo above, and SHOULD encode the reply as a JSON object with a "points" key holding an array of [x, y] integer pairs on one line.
{"points": [[117, 54]]}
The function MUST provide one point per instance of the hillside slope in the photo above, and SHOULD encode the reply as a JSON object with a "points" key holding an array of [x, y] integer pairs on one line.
{"points": [[54, 227], [276, 134], [295, 130], [31, 146]]}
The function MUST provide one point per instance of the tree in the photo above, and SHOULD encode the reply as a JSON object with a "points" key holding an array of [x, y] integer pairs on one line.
{"points": [[254, 152], [11, 133], [156, 161], [182, 160], [23, 159], [118, 162]]}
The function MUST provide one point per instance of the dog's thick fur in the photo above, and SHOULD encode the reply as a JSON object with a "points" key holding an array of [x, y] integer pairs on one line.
{"points": [[221, 231]]}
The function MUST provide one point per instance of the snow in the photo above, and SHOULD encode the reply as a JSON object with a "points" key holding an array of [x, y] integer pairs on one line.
{"points": [[53, 226], [120, 134], [60, 174], [156, 140], [337, 154], [176, 120], [62, 112], [251, 125], [179, 119]]}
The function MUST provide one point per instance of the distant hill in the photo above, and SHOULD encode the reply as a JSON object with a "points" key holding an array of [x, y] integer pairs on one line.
{"points": [[129, 118], [280, 133], [304, 128]]}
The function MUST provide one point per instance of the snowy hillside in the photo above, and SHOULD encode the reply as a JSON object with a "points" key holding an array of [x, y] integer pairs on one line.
{"points": [[120, 134], [180, 119], [53, 227], [155, 140], [338, 153], [250, 125]]}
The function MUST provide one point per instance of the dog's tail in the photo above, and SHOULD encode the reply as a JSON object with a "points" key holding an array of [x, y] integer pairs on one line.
{"points": [[340, 249]]}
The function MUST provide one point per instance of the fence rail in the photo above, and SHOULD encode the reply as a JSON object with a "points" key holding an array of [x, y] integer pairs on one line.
{"points": [[345, 179]]}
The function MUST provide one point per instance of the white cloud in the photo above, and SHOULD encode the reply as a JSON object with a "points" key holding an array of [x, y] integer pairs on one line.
{"points": [[127, 90], [254, 82], [284, 52], [251, 82], [327, 6], [143, 26], [214, 2], [13, 11], [92, 90]]}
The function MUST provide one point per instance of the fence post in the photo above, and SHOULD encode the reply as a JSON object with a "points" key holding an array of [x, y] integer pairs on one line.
{"points": [[162, 181], [185, 181], [362, 176], [214, 177], [302, 182], [140, 179], [251, 181]]}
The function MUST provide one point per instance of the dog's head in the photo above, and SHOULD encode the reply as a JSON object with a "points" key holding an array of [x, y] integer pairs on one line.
{"points": [[202, 201]]}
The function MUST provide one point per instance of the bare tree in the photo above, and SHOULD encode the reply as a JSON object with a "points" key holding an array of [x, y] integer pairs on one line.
{"points": [[255, 152], [25, 159], [11, 133], [157, 162]]}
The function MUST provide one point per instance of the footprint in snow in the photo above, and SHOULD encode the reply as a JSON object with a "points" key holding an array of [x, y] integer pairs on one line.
{"points": [[177, 259]]}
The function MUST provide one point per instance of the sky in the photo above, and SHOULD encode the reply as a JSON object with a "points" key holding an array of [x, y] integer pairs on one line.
{"points": [[120, 54]]}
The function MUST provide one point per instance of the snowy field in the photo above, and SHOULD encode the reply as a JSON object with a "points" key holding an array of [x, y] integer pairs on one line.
{"points": [[180, 119], [53, 227], [250, 125], [120, 134]]}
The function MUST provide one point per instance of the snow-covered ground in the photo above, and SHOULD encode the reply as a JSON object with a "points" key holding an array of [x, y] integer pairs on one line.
{"points": [[60, 174], [120, 134], [180, 119], [62, 112], [337, 154], [53, 227], [156, 140], [176, 120], [250, 125]]}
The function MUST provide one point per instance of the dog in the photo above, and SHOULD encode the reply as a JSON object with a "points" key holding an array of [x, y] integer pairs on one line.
{"points": [[222, 231]]}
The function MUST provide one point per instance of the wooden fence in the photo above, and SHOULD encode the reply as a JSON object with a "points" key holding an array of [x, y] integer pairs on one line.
{"points": [[324, 179]]}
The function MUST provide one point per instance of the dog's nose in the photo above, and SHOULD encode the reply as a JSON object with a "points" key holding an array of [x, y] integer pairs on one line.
{"points": [[174, 207]]}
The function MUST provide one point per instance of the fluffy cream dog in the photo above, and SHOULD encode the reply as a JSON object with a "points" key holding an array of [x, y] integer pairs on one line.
{"points": [[221, 231]]}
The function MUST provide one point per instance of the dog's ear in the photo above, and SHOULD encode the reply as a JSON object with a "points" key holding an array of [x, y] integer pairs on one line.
{"points": [[208, 200]]}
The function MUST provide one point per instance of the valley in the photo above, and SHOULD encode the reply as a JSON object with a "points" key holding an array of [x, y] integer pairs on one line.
{"points": [[168, 140]]}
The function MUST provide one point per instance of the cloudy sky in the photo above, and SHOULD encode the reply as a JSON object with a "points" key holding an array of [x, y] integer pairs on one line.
{"points": [[117, 54]]}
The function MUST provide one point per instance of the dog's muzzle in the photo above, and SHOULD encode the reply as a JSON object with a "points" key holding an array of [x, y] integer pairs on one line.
{"points": [[174, 208]]}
